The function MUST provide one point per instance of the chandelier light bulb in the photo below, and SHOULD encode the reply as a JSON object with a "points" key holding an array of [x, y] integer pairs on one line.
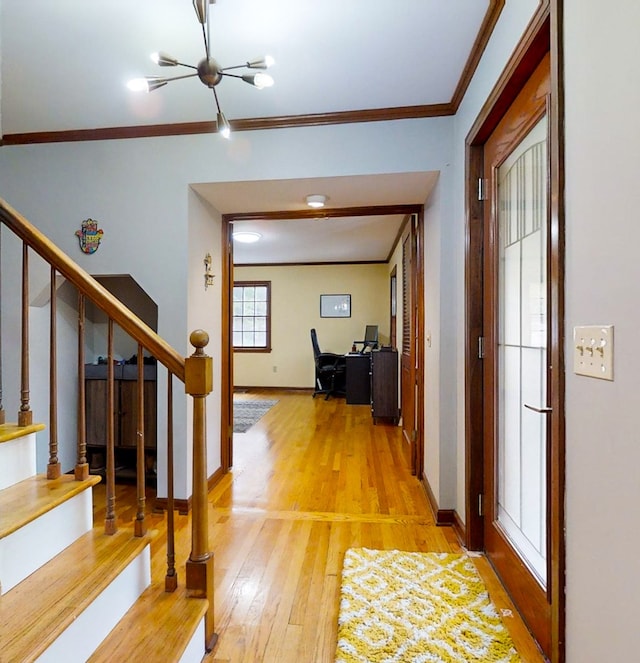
{"points": [[224, 128], [164, 59], [263, 80], [138, 85], [261, 63]]}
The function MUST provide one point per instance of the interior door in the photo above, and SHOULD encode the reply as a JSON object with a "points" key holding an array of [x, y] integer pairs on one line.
{"points": [[516, 333], [408, 385]]}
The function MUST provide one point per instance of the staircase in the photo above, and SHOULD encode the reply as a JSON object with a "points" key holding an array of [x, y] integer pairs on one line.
{"points": [[70, 592], [70, 589]]}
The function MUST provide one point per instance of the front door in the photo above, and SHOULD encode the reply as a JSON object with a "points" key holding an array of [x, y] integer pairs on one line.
{"points": [[517, 337]]}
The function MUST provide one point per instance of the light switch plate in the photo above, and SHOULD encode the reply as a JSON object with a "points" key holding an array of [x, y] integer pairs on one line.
{"points": [[593, 351]]}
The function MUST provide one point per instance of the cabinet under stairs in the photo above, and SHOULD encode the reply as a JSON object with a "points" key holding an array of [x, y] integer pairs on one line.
{"points": [[72, 593]]}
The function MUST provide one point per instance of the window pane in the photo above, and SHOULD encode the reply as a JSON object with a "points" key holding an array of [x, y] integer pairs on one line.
{"points": [[250, 311]]}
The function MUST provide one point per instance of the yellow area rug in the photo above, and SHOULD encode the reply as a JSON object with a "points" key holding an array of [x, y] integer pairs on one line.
{"points": [[419, 607]]}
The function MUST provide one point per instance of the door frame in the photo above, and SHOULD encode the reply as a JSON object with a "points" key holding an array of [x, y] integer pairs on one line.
{"points": [[226, 358], [543, 35]]}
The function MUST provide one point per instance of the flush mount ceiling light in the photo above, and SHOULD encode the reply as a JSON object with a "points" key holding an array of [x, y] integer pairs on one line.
{"points": [[246, 236], [316, 200], [208, 69]]}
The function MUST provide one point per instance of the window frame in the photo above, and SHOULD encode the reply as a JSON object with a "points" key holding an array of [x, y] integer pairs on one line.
{"points": [[253, 348]]}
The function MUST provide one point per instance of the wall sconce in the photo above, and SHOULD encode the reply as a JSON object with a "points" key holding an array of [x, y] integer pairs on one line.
{"points": [[208, 274]]}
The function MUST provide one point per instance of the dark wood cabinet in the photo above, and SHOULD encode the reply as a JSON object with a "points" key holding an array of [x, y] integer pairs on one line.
{"points": [[125, 417], [384, 384], [358, 379]]}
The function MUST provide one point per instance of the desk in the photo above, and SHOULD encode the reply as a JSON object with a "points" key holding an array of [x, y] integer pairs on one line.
{"points": [[358, 379]]}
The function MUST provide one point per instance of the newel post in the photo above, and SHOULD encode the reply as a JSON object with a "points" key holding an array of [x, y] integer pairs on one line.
{"points": [[199, 568]]}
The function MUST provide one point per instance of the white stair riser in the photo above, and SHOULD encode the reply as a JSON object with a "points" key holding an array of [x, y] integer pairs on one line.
{"points": [[17, 460], [33, 545], [92, 626], [195, 651]]}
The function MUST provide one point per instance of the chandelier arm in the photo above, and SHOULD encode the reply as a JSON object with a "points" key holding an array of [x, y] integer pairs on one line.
{"points": [[177, 78], [190, 66], [215, 94], [235, 66], [224, 73], [205, 30]]}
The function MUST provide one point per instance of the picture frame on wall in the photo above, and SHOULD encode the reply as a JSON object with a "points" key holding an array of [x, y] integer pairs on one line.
{"points": [[335, 306]]}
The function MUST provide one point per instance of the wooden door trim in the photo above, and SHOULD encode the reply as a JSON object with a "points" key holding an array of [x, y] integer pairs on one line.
{"points": [[544, 34], [226, 354]]}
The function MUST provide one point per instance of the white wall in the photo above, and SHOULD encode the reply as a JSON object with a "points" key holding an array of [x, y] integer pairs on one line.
{"points": [[602, 277], [138, 190], [205, 312]]}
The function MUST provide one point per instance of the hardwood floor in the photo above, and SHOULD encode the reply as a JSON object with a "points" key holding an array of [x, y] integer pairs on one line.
{"points": [[310, 479]]}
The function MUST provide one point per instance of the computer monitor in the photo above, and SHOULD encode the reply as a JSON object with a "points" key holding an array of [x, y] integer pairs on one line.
{"points": [[370, 338], [371, 335]]}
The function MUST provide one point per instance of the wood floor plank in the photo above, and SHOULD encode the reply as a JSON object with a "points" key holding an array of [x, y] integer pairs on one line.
{"points": [[311, 479]]}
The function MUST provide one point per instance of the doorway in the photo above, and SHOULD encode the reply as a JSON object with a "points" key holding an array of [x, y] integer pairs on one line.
{"points": [[412, 212]]}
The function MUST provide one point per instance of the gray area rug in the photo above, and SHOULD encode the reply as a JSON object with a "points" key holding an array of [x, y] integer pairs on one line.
{"points": [[247, 413]]}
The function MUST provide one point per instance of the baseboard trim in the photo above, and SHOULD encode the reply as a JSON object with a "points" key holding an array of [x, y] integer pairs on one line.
{"points": [[442, 517], [459, 528], [237, 389], [184, 506]]}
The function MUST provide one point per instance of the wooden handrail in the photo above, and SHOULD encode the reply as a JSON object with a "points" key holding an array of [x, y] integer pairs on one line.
{"points": [[88, 286], [195, 372]]}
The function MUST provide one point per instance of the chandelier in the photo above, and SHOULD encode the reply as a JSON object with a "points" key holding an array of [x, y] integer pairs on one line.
{"points": [[208, 69]]}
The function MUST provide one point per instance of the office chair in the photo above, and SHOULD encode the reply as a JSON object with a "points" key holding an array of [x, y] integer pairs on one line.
{"points": [[370, 338], [330, 370]]}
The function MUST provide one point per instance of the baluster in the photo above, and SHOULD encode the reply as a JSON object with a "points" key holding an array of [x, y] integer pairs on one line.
{"points": [[110, 517], [140, 525], [171, 579], [199, 566], [81, 470], [25, 416], [53, 468]]}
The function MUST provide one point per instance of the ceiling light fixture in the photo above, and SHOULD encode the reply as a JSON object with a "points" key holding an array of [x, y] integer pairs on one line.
{"points": [[246, 236], [316, 200], [208, 69]]}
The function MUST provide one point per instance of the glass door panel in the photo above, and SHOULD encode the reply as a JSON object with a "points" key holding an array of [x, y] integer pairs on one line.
{"points": [[522, 349]]}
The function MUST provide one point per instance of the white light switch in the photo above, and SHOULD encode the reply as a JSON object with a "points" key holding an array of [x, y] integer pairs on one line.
{"points": [[593, 351]]}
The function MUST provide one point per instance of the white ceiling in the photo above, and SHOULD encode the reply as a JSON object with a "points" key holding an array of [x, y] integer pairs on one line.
{"points": [[349, 238], [65, 64]]}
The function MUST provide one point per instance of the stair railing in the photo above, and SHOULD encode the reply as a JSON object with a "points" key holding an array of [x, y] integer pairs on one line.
{"points": [[195, 372]]}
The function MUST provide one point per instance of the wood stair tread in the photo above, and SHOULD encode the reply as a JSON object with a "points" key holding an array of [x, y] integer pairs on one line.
{"points": [[27, 500], [136, 637], [10, 432], [38, 609]]}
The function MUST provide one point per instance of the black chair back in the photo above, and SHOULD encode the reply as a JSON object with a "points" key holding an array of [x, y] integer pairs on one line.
{"points": [[314, 342]]}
